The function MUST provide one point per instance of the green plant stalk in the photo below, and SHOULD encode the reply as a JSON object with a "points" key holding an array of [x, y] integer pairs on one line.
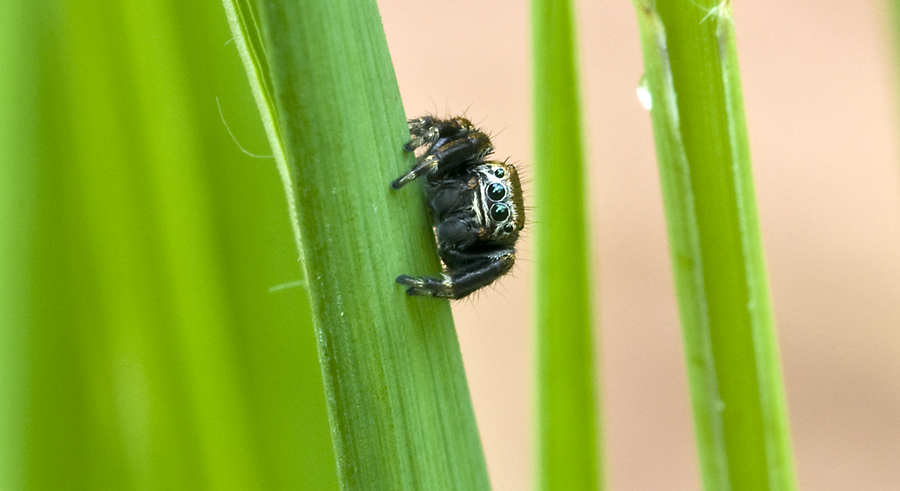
{"points": [[399, 406], [701, 139], [566, 414]]}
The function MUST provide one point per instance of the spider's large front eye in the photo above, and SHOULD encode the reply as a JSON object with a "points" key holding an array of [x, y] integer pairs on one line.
{"points": [[496, 191], [499, 212]]}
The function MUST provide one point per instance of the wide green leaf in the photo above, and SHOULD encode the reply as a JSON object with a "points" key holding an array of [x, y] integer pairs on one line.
{"points": [[400, 411]]}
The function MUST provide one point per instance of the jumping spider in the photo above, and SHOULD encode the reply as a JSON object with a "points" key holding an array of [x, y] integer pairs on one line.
{"points": [[476, 206]]}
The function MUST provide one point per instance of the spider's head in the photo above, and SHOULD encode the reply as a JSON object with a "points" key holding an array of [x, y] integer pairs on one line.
{"points": [[500, 201]]}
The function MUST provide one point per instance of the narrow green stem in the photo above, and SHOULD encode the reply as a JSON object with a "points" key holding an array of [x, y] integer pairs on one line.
{"points": [[567, 439], [704, 159]]}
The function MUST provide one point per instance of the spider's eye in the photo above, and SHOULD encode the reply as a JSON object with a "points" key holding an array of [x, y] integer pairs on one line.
{"points": [[499, 172], [496, 191], [509, 228], [499, 212]]}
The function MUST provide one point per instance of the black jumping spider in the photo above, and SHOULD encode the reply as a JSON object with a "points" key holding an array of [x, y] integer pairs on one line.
{"points": [[476, 205]]}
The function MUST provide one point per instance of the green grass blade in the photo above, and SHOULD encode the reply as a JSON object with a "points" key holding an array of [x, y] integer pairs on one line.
{"points": [[704, 159], [139, 346], [567, 436], [400, 410]]}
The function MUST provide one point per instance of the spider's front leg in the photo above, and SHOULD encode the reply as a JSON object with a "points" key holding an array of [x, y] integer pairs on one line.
{"points": [[428, 129], [474, 272], [454, 144]]}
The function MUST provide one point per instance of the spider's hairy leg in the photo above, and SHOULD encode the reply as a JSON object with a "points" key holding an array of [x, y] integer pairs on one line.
{"points": [[422, 131], [447, 156], [465, 280], [424, 165], [428, 129], [427, 286], [454, 155]]}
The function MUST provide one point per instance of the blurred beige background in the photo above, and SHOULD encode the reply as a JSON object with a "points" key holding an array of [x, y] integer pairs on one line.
{"points": [[820, 96]]}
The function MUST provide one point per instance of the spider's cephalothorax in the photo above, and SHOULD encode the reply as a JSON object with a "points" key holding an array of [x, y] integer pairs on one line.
{"points": [[476, 205]]}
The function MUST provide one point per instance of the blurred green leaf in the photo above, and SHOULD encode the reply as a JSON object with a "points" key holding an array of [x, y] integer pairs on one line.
{"points": [[140, 346], [567, 435]]}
